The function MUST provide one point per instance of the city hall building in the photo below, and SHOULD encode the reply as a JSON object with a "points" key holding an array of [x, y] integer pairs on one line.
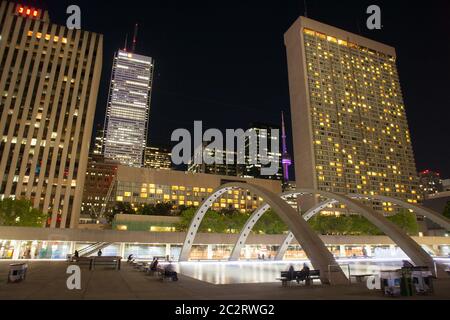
{"points": [[350, 129]]}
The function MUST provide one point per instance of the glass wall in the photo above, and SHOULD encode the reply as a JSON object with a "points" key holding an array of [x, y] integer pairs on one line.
{"points": [[7, 249], [294, 253], [44, 250], [263, 252], [145, 251], [175, 251]]}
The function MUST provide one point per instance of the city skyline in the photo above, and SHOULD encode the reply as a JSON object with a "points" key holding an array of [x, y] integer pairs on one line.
{"points": [[179, 51]]}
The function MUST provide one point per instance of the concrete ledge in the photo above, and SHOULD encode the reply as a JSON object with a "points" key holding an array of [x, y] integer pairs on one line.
{"points": [[83, 235]]}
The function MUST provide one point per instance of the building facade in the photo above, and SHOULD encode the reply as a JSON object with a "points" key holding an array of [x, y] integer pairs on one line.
{"points": [[139, 186], [157, 158], [254, 163], [349, 121], [430, 183], [100, 177], [49, 83], [223, 168], [97, 146], [128, 109]]}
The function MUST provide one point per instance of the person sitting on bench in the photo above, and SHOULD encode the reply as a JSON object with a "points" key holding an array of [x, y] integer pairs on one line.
{"points": [[169, 272], [154, 264], [291, 273], [304, 274]]}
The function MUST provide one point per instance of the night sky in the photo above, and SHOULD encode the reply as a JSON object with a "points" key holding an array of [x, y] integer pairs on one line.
{"points": [[224, 62]]}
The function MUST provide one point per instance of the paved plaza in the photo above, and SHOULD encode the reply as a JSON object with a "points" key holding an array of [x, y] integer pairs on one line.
{"points": [[47, 280]]}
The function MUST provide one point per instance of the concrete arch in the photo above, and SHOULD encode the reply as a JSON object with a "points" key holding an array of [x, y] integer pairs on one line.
{"points": [[314, 248], [248, 227], [406, 243], [430, 214]]}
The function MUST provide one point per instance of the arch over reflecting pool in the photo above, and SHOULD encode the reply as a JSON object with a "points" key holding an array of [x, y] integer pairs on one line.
{"points": [[406, 243], [311, 243]]}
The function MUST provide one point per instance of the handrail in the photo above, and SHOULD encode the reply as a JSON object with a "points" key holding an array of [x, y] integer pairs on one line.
{"points": [[89, 247]]}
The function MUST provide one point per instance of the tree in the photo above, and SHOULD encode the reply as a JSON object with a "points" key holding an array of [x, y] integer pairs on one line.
{"points": [[20, 213], [119, 208], [446, 212], [270, 223], [163, 209], [406, 220]]}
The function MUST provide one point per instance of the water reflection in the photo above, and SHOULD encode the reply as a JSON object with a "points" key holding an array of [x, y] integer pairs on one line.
{"points": [[268, 271]]}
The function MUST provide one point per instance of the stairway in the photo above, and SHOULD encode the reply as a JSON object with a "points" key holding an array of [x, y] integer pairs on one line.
{"points": [[93, 248]]}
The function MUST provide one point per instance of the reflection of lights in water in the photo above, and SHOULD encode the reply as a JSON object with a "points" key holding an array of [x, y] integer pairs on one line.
{"points": [[267, 271]]}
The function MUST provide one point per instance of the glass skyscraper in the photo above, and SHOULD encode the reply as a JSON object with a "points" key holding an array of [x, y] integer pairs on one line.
{"points": [[128, 108]]}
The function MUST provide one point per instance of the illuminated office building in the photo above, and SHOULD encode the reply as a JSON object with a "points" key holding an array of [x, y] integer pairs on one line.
{"points": [[157, 158], [100, 175], [430, 183], [349, 121], [254, 163], [49, 83], [226, 169], [128, 108], [97, 147], [139, 186]]}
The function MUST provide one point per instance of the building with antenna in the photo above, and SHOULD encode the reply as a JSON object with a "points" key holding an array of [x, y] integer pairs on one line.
{"points": [[128, 109]]}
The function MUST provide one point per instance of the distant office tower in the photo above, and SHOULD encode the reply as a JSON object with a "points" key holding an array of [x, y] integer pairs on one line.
{"points": [[349, 122], [253, 165], [157, 158], [430, 183], [49, 83], [224, 168], [97, 148], [128, 108]]}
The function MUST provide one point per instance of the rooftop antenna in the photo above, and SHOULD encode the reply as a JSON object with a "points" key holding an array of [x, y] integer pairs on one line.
{"points": [[126, 42], [305, 5], [136, 27]]}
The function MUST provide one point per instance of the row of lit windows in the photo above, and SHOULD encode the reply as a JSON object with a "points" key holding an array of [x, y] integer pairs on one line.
{"points": [[47, 37]]}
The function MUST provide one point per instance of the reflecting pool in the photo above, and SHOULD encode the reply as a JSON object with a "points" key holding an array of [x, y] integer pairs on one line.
{"points": [[268, 271]]}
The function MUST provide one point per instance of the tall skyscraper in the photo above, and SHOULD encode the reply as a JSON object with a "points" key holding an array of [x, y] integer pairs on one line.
{"points": [[128, 109], [349, 122], [49, 83], [253, 165]]}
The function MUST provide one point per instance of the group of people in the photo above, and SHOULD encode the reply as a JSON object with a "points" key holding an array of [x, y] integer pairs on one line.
{"points": [[168, 270], [303, 275]]}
